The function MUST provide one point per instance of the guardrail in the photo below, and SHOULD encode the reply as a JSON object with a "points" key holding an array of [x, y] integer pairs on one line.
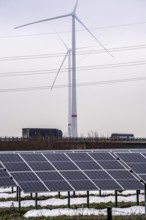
{"points": [[86, 139]]}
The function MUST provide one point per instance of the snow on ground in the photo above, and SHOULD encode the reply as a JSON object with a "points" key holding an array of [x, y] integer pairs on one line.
{"points": [[73, 201], [135, 210], [107, 196]]}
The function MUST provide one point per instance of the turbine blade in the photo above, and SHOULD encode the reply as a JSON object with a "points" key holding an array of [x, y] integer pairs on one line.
{"points": [[62, 41], [75, 7], [92, 35], [49, 19], [59, 71]]}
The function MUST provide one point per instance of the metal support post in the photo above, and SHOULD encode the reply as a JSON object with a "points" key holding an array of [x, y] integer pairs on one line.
{"points": [[137, 196], [17, 189], [12, 189], [100, 193], [87, 199], [116, 198], [74, 194], [68, 199], [109, 213], [59, 195], [36, 200], [19, 199]]}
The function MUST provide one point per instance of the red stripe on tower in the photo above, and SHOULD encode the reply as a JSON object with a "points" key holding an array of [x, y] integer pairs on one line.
{"points": [[74, 116]]}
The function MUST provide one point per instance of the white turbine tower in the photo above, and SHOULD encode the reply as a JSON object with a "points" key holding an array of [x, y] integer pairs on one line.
{"points": [[74, 18], [68, 53]]}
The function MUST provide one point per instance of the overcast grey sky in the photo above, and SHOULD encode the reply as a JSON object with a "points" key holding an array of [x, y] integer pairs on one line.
{"points": [[103, 108]]}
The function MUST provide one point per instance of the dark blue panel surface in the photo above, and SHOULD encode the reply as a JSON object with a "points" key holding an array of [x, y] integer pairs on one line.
{"points": [[30, 187], [56, 157], [144, 154], [33, 157], [79, 156], [98, 175], [131, 184], [64, 166], [49, 176], [83, 185], [3, 173], [10, 158], [121, 175], [1, 166], [131, 157], [58, 185], [73, 175], [143, 177], [107, 184], [7, 182], [12, 167], [25, 177], [111, 165], [139, 168], [88, 165], [102, 156], [38, 166]]}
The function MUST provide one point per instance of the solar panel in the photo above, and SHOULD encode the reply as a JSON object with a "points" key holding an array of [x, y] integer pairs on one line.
{"points": [[25, 176], [64, 166], [102, 156], [38, 166], [131, 184], [79, 156], [33, 157], [58, 186], [56, 157], [109, 165], [1, 166], [3, 173], [144, 154], [49, 176], [74, 175], [139, 168], [107, 184], [98, 175], [43, 172], [136, 163], [7, 182], [131, 157], [10, 158], [121, 174], [5, 179], [33, 187], [88, 165], [83, 185], [13, 167], [143, 177]]}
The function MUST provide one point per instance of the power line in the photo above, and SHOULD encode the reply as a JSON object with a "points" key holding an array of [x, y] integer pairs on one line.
{"points": [[79, 30], [86, 52], [79, 85], [83, 68]]}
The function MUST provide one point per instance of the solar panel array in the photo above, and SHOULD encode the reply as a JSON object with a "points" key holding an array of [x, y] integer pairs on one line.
{"points": [[68, 171], [5, 179], [136, 162]]}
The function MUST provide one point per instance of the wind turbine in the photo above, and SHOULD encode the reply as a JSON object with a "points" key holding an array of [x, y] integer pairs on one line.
{"points": [[68, 54], [74, 18]]}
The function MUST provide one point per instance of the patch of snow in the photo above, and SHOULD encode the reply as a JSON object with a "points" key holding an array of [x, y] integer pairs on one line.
{"points": [[135, 210], [73, 201]]}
